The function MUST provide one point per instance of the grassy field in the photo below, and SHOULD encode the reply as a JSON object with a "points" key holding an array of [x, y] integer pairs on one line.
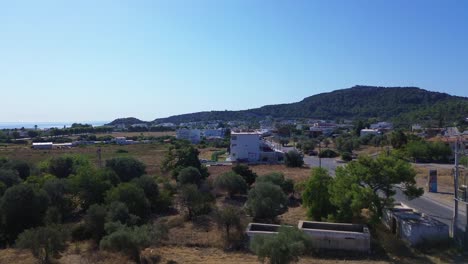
{"points": [[150, 154]]}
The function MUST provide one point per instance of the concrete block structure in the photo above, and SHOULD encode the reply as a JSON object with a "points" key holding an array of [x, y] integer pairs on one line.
{"points": [[413, 227], [337, 236], [255, 229]]}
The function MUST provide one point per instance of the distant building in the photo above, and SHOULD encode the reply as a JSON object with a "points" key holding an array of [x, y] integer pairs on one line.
{"points": [[42, 145], [245, 146], [322, 128], [369, 131], [382, 126], [249, 147], [416, 127], [214, 133], [192, 135]]}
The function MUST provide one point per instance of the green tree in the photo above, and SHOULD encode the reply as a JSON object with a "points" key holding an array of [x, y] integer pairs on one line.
{"points": [[21, 208], [316, 195], [131, 240], [118, 212], [90, 187], [132, 196], [229, 217], [127, 168], [196, 202], [398, 139], [9, 177], [63, 166], [266, 201], [293, 159], [285, 247], [43, 242], [246, 173], [189, 175], [277, 178], [231, 182], [369, 183], [95, 220], [59, 194], [183, 156], [151, 190]]}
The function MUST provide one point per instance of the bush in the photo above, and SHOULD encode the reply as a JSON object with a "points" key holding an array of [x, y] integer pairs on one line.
{"points": [[293, 159], [130, 240], [227, 218], [43, 242], [127, 168], [346, 156], [316, 195], [266, 201], [189, 175], [286, 247], [277, 178], [196, 202], [231, 183], [328, 153], [132, 196], [245, 172], [22, 207], [95, 219]]}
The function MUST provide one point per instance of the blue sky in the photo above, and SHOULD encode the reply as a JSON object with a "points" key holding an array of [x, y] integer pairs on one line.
{"points": [[100, 60]]}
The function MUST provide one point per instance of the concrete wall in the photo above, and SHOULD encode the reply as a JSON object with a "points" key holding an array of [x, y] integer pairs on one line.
{"points": [[255, 229], [336, 236]]}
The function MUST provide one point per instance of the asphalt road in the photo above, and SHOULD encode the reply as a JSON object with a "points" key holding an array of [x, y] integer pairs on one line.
{"points": [[327, 163]]}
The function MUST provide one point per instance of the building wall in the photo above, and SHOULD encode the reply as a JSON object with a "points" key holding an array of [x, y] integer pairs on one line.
{"points": [[337, 239], [245, 146]]}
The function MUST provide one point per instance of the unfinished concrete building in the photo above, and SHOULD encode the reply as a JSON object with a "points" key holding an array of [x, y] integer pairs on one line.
{"points": [[413, 227], [337, 236]]}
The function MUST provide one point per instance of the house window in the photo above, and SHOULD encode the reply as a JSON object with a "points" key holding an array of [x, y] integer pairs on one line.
{"points": [[233, 145], [234, 137]]}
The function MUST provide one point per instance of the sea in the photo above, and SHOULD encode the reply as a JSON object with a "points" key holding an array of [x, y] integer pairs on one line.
{"points": [[45, 125]]}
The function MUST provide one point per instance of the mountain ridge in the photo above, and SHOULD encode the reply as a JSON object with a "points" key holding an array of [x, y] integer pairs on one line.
{"points": [[358, 102]]}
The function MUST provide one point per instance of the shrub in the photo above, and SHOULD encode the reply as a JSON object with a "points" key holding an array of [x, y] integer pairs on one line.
{"points": [[293, 159], [43, 242], [266, 201], [231, 183], [127, 168], [328, 153], [286, 247], [245, 172], [189, 175]]}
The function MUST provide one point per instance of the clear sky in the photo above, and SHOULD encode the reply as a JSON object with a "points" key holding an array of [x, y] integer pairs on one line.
{"points": [[100, 60]]}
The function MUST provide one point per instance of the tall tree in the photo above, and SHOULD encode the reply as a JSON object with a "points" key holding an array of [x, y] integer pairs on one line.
{"points": [[316, 195]]}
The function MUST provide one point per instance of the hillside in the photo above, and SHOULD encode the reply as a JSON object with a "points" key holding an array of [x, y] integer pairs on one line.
{"points": [[407, 104], [401, 104]]}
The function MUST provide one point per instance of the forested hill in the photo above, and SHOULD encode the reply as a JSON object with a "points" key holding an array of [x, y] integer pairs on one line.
{"points": [[407, 104], [128, 121]]}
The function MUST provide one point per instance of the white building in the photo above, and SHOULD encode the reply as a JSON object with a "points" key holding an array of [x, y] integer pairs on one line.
{"points": [[249, 147], [192, 135], [369, 131], [42, 145]]}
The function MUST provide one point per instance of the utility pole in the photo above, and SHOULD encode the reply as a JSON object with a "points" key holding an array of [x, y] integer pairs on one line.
{"points": [[455, 186], [99, 157], [320, 159]]}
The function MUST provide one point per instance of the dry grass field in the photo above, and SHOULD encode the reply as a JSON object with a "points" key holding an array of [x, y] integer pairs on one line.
{"points": [[150, 154], [297, 174]]}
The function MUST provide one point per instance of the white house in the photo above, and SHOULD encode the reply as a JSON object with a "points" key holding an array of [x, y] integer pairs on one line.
{"points": [[192, 135], [369, 131], [245, 146]]}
